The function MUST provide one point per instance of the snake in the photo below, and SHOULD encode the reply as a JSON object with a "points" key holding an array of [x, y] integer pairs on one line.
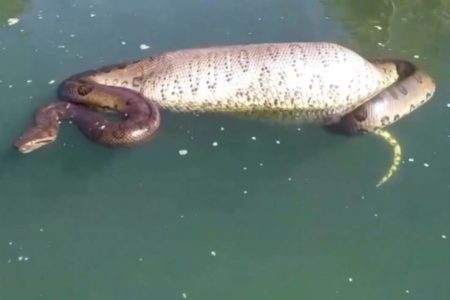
{"points": [[306, 82]]}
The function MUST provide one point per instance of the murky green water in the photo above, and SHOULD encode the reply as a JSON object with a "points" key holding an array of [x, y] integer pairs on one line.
{"points": [[254, 210]]}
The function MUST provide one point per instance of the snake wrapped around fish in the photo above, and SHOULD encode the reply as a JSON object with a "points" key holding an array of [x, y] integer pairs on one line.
{"points": [[317, 82]]}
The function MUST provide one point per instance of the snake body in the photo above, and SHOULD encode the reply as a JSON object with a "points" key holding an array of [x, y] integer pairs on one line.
{"points": [[320, 82], [412, 89]]}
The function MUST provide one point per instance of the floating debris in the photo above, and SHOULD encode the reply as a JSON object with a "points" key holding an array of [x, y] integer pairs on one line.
{"points": [[12, 21], [182, 152], [144, 47]]}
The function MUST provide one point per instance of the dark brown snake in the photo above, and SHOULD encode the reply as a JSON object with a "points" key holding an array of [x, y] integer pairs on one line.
{"points": [[303, 82]]}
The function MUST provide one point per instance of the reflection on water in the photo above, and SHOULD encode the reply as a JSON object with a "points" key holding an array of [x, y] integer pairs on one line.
{"points": [[11, 8], [414, 26]]}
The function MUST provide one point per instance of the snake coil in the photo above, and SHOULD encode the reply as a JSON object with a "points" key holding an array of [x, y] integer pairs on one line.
{"points": [[306, 82]]}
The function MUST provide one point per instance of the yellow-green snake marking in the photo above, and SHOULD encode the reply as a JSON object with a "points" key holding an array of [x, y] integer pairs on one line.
{"points": [[319, 82], [397, 154]]}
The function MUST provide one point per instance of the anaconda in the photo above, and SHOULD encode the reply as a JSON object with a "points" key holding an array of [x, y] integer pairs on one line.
{"points": [[321, 82]]}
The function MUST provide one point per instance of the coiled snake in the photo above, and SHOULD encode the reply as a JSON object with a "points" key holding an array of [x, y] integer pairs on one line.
{"points": [[320, 82]]}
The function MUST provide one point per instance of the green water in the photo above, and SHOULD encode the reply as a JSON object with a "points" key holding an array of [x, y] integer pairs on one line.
{"points": [[254, 210]]}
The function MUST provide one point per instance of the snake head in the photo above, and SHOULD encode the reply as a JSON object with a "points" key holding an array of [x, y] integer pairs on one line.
{"points": [[33, 139]]}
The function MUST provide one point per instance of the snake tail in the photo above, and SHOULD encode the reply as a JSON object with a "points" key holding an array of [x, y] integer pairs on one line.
{"points": [[397, 150], [413, 88]]}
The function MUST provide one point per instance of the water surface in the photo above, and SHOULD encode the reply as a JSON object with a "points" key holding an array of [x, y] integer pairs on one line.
{"points": [[253, 210]]}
